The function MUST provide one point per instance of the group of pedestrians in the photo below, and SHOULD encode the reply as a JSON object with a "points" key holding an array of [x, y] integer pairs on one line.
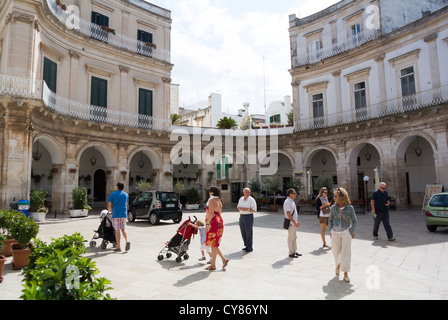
{"points": [[339, 217]]}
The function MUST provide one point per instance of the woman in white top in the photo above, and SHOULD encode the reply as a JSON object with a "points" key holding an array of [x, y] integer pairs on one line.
{"points": [[323, 212]]}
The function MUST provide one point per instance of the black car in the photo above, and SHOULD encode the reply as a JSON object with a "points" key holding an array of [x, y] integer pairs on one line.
{"points": [[155, 206]]}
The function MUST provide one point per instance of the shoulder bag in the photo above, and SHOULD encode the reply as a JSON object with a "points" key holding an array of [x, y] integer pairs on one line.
{"points": [[287, 222]]}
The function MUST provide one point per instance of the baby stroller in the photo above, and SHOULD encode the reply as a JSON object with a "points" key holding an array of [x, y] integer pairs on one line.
{"points": [[179, 242], [105, 231]]}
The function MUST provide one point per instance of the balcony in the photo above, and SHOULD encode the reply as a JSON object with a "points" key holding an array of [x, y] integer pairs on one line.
{"points": [[337, 48], [402, 105], [37, 89], [99, 33]]}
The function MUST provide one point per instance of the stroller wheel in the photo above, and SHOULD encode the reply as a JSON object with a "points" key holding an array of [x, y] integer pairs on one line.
{"points": [[160, 257], [92, 244], [168, 254], [178, 259], [186, 256]]}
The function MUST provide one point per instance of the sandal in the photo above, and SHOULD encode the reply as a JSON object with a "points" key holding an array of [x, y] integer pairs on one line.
{"points": [[210, 268], [224, 265]]}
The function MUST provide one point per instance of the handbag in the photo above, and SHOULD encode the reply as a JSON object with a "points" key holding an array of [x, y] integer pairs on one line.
{"points": [[326, 210], [287, 222]]}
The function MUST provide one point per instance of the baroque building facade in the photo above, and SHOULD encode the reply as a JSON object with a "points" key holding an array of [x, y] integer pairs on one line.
{"points": [[85, 102]]}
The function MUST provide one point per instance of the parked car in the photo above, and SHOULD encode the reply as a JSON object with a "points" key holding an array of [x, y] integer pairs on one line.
{"points": [[155, 206], [436, 214]]}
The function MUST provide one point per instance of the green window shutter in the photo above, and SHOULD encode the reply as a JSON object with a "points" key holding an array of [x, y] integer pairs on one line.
{"points": [[145, 98], [50, 74], [271, 119], [98, 94]]}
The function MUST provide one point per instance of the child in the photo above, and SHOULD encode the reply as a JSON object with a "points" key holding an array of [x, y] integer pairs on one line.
{"points": [[201, 227]]}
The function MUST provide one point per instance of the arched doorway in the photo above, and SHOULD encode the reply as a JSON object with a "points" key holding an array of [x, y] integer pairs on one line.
{"points": [[416, 169], [99, 186], [320, 167]]}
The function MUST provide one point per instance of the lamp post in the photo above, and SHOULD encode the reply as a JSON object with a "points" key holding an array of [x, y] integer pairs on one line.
{"points": [[366, 180]]}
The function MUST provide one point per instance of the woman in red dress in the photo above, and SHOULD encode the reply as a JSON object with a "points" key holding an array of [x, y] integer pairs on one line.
{"points": [[214, 226]]}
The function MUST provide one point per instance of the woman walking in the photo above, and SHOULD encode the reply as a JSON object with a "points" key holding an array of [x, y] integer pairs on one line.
{"points": [[214, 226], [342, 223], [323, 212]]}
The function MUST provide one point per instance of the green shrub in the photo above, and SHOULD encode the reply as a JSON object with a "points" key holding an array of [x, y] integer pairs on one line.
{"points": [[22, 228], [58, 271]]}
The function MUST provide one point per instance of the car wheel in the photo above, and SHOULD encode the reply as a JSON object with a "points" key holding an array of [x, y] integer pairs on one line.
{"points": [[153, 218], [131, 216], [176, 220], [431, 228]]}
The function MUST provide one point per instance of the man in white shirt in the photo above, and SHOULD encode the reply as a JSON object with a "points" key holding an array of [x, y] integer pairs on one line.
{"points": [[247, 206], [290, 211]]}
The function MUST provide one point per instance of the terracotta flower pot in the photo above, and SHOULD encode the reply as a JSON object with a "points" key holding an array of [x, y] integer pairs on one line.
{"points": [[7, 247], [20, 258], [2, 262]]}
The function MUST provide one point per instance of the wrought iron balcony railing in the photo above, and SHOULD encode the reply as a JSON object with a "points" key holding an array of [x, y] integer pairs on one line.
{"points": [[37, 89], [402, 105], [335, 49]]}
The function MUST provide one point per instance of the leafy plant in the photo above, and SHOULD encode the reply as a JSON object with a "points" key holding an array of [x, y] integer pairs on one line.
{"points": [[192, 196], [37, 199], [273, 184], [79, 196], [143, 186], [5, 222], [175, 118], [2, 240], [226, 123], [22, 228], [296, 184], [58, 271], [255, 186]]}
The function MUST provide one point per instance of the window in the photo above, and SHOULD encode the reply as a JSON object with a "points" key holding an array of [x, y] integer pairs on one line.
{"points": [[407, 77], [146, 47], [318, 109], [355, 33], [145, 103], [314, 48], [360, 100], [50, 74], [98, 30], [275, 119], [98, 99]]}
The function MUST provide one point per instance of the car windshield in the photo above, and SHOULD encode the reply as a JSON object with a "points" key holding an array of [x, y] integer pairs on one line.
{"points": [[439, 200], [167, 196]]}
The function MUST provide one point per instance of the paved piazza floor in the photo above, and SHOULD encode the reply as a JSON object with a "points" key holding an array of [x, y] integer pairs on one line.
{"points": [[415, 266]]}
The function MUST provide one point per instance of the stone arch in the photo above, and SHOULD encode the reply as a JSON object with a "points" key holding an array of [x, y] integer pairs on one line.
{"points": [[52, 146]]}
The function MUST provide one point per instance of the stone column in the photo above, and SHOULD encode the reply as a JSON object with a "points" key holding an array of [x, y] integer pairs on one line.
{"points": [[431, 40], [441, 156], [58, 195]]}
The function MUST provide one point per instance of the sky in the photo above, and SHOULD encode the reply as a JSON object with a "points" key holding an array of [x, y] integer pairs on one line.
{"points": [[239, 49]]}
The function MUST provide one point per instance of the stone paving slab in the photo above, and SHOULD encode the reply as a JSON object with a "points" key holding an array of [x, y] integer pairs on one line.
{"points": [[412, 267]]}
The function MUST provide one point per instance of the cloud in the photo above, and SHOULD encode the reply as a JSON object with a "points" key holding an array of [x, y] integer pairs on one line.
{"points": [[217, 47]]}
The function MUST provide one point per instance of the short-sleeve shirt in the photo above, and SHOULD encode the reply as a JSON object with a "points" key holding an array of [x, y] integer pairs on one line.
{"points": [[249, 203], [290, 205], [119, 201], [380, 199]]}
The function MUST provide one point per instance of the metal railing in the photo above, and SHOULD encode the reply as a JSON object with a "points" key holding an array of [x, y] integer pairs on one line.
{"points": [[391, 107], [106, 35], [20, 86], [28, 88], [88, 112], [335, 49]]}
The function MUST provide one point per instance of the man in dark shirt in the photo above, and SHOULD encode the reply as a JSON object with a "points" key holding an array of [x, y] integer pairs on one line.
{"points": [[380, 211]]}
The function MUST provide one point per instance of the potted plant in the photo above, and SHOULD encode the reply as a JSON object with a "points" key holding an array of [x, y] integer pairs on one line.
{"points": [[273, 184], [80, 207], [2, 257], [37, 209], [5, 223], [192, 199], [23, 229]]}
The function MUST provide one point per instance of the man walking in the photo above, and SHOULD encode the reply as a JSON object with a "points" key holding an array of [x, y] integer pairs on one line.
{"points": [[117, 203], [247, 206], [380, 210], [290, 211]]}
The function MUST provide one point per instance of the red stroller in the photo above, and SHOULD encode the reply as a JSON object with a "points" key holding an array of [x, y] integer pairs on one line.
{"points": [[179, 242]]}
